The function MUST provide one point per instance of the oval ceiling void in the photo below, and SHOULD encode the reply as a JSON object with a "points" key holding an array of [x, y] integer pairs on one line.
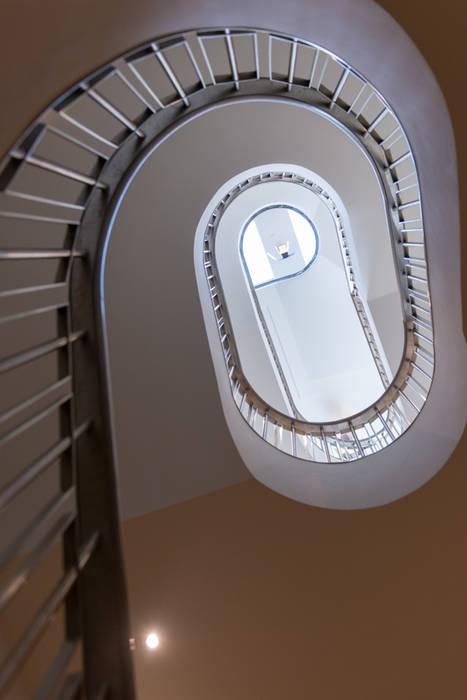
{"points": [[288, 263]]}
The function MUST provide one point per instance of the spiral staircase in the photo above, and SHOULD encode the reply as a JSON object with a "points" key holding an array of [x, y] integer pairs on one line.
{"points": [[60, 183]]}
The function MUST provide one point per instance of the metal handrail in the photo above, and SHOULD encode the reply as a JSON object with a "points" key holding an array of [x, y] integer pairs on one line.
{"points": [[58, 185]]}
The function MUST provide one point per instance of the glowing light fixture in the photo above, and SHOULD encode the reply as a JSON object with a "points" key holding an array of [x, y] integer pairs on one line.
{"points": [[152, 641], [283, 249]]}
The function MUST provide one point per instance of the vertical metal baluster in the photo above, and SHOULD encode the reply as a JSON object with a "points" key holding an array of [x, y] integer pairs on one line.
{"points": [[424, 354], [386, 426], [400, 416], [111, 109], [310, 446], [74, 122], [389, 137], [170, 74], [356, 98], [293, 58], [242, 403], [357, 441], [388, 146], [233, 62], [376, 121], [270, 56], [265, 424], [400, 160], [339, 86], [206, 59], [313, 67], [195, 63], [123, 72], [158, 103], [255, 45], [421, 391], [411, 403], [339, 451], [370, 437], [325, 444], [357, 115], [422, 372], [323, 70]]}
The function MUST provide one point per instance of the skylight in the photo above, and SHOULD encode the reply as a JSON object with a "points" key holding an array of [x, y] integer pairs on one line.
{"points": [[278, 242]]}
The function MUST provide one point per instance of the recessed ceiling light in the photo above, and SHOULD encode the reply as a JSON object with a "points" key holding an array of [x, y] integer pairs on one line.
{"points": [[152, 641]]}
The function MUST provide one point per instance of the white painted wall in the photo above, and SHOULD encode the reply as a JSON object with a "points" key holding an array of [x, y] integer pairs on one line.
{"points": [[325, 356]]}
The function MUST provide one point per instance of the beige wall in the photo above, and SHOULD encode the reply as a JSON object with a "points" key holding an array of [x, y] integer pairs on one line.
{"points": [[258, 597]]}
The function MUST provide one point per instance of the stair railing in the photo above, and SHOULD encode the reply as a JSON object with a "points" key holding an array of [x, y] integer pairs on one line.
{"points": [[58, 185]]}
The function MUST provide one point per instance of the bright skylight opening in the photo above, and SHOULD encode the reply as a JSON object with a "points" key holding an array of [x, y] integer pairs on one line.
{"points": [[278, 242]]}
